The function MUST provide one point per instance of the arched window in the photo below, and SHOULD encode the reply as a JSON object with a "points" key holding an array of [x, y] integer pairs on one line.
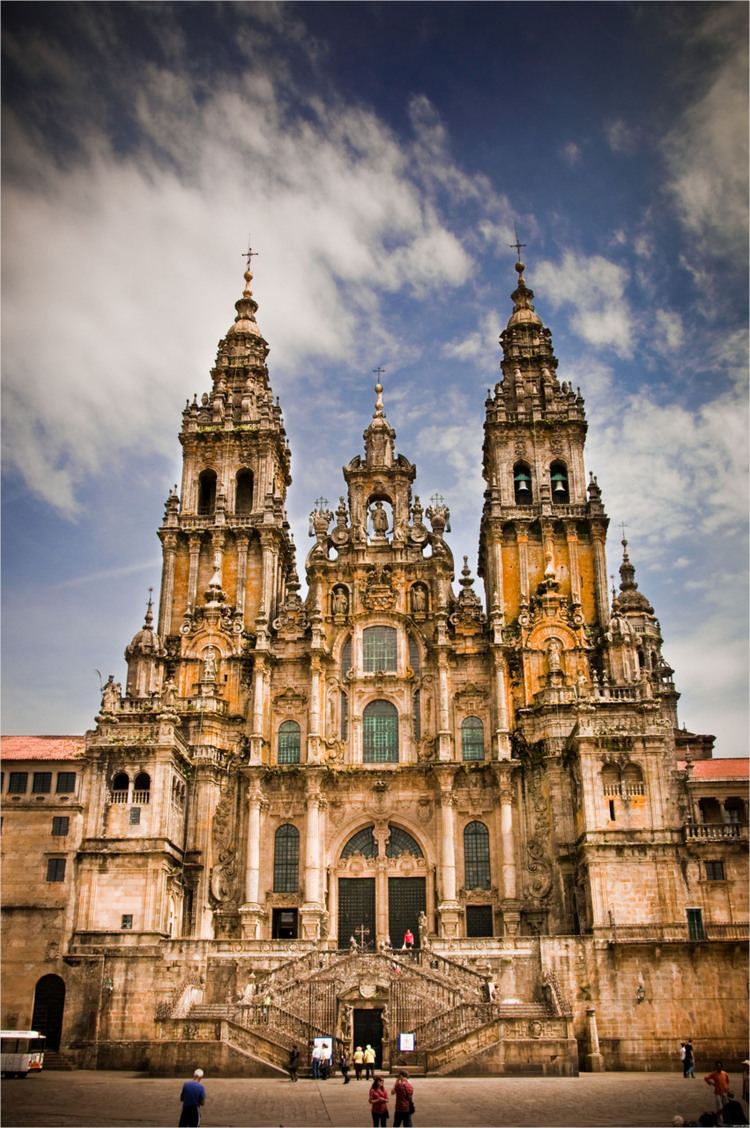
{"points": [[243, 498], [558, 477], [611, 779], [286, 859], [343, 716], [346, 657], [380, 733], [734, 807], [476, 856], [401, 842], [379, 649], [142, 788], [120, 787], [632, 780], [710, 810], [472, 738], [206, 492], [288, 748], [522, 484], [363, 842]]}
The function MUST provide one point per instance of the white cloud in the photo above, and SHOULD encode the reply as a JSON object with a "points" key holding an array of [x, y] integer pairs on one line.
{"points": [[707, 150], [621, 137], [571, 152], [594, 289], [670, 333], [481, 345]]}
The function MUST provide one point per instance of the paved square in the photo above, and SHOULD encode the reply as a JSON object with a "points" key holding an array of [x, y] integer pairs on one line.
{"points": [[104, 1099]]}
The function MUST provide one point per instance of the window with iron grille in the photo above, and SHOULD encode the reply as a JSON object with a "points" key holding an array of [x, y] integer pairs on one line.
{"points": [[135, 816], [414, 659], [476, 856], [379, 649], [18, 783], [363, 842], [344, 716], [126, 920], [60, 826], [55, 869], [715, 871], [66, 782], [41, 784], [346, 656], [401, 842], [380, 733], [288, 743], [286, 859], [472, 739]]}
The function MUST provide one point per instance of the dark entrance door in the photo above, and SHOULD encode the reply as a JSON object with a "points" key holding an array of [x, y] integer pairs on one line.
{"points": [[406, 900], [284, 924], [368, 1027], [356, 909], [49, 1003]]}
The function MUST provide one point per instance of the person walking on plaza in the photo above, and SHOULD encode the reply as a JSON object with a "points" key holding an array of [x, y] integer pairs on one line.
{"points": [[193, 1097], [378, 1098], [404, 1093], [344, 1065], [688, 1062], [293, 1063], [719, 1079], [358, 1059], [315, 1060], [369, 1062]]}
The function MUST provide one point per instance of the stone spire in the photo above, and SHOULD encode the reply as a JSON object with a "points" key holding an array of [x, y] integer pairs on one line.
{"points": [[629, 598], [379, 436]]}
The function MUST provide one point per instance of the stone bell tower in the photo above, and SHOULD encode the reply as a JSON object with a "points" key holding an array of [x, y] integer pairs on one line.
{"points": [[543, 530]]}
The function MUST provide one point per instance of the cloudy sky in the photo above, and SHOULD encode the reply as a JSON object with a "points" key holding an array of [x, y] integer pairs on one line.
{"points": [[380, 156]]}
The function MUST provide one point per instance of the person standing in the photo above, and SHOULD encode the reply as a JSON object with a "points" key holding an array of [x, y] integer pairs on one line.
{"points": [[719, 1079], [404, 1092], [315, 1060], [193, 1097], [369, 1060], [378, 1098], [408, 939], [688, 1062], [358, 1059], [344, 1065], [745, 1080], [293, 1063]]}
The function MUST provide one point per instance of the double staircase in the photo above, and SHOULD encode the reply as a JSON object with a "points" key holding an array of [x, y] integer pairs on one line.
{"points": [[441, 1001]]}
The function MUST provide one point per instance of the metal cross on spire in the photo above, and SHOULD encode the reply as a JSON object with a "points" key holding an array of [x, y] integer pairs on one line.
{"points": [[249, 254], [623, 526], [517, 245], [379, 372]]}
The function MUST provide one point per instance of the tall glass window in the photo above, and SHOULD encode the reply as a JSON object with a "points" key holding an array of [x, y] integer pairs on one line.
{"points": [[379, 649], [476, 856], [472, 739], [380, 733], [288, 743], [286, 859]]}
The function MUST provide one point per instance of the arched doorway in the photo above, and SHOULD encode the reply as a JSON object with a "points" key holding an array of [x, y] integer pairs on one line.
{"points": [[49, 1004], [382, 887]]}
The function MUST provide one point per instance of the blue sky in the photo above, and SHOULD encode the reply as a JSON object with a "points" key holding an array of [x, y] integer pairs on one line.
{"points": [[380, 156]]}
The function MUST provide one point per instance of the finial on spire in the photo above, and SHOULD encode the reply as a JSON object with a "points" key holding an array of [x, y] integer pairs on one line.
{"points": [[149, 611], [517, 247], [248, 256], [378, 392]]}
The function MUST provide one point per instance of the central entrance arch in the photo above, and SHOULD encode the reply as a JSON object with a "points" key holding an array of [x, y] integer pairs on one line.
{"points": [[382, 887], [49, 1004]]}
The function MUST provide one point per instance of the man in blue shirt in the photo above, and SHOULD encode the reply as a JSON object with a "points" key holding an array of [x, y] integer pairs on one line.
{"points": [[193, 1097]]}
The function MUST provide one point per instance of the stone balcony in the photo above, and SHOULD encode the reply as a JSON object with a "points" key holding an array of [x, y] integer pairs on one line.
{"points": [[715, 832]]}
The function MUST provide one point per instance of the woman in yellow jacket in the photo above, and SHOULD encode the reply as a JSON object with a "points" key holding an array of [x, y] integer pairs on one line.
{"points": [[369, 1061], [358, 1058]]}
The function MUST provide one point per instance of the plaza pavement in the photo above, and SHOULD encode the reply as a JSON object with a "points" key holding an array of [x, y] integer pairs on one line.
{"points": [[102, 1099]]}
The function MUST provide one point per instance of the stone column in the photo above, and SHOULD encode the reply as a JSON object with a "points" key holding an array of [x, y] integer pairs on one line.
{"points": [[259, 705], [448, 908], [267, 600], [599, 533], [507, 836], [522, 537], [313, 735], [444, 733], [594, 1059], [194, 545], [312, 909], [575, 578], [502, 737], [166, 595], [251, 913], [242, 545]]}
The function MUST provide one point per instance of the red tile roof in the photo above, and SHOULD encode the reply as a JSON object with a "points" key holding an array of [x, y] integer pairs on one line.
{"points": [[41, 747], [738, 768]]}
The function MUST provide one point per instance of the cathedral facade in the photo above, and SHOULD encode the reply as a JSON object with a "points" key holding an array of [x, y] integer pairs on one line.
{"points": [[287, 789]]}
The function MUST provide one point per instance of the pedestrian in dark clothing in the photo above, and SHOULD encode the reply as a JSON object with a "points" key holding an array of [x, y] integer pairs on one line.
{"points": [[344, 1066], [378, 1098], [404, 1092], [293, 1063], [688, 1062], [193, 1097], [733, 1112]]}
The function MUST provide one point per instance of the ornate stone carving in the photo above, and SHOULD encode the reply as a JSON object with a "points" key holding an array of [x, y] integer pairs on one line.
{"points": [[378, 593]]}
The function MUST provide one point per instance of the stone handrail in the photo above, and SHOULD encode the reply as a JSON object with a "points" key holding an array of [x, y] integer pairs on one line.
{"points": [[428, 960], [715, 831], [677, 933]]}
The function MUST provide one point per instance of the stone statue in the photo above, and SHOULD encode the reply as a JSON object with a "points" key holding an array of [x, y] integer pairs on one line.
{"points": [[379, 519], [418, 599], [340, 602], [169, 694], [111, 693], [209, 664], [553, 656]]}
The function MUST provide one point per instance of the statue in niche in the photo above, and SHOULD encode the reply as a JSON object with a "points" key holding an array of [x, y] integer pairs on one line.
{"points": [[209, 664], [340, 602], [169, 694], [554, 664], [379, 519], [418, 599], [422, 929]]}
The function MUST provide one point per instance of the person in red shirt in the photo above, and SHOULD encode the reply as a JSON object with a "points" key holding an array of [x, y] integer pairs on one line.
{"points": [[719, 1079], [404, 1091], [408, 938], [378, 1098]]}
